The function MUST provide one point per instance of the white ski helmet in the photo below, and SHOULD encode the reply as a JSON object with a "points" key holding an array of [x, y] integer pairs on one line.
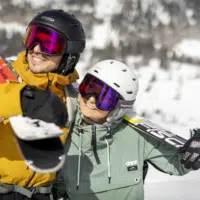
{"points": [[122, 79], [118, 76]]}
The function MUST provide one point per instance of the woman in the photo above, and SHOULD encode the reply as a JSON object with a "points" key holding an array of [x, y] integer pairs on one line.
{"points": [[105, 156]]}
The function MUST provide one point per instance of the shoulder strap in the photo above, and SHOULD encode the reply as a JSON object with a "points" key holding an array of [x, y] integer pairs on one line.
{"points": [[71, 101], [28, 192]]}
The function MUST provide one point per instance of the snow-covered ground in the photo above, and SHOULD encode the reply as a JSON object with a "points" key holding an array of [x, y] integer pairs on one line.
{"points": [[189, 48]]}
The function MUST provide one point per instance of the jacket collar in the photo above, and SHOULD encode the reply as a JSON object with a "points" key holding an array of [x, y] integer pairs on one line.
{"points": [[57, 82], [102, 131]]}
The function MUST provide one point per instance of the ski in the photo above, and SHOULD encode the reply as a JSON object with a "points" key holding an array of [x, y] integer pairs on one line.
{"points": [[38, 141], [147, 127], [6, 74], [29, 129]]}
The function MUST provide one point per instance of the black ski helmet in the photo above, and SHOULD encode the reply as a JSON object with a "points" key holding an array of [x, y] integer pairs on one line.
{"points": [[71, 29]]}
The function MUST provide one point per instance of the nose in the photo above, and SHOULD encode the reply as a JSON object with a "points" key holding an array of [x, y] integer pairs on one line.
{"points": [[92, 100], [36, 48]]}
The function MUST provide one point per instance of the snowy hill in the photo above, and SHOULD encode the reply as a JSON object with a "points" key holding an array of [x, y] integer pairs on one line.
{"points": [[114, 29]]}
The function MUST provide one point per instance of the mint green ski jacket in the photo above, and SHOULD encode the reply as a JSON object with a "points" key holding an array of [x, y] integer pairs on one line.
{"points": [[106, 163]]}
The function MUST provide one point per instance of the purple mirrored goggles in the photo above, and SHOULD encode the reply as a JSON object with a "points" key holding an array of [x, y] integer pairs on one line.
{"points": [[106, 97]]}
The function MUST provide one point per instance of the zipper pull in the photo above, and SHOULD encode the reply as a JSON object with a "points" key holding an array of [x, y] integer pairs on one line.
{"points": [[81, 131], [108, 132]]}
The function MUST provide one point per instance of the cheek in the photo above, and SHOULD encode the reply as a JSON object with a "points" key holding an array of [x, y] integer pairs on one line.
{"points": [[93, 114], [103, 114], [56, 60], [28, 58], [53, 63], [50, 65], [83, 107]]}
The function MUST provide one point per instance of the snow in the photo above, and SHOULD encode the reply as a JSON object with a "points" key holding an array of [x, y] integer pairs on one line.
{"points": [[104, 34], [12, 28], [100, 35], [190, 16], [189, 48], [34, 3], [171, 93], [107, 8], [162, 15]]}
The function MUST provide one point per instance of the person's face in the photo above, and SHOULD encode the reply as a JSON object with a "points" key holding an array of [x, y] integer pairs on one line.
{"points": [[40, 63], [88, 109]]}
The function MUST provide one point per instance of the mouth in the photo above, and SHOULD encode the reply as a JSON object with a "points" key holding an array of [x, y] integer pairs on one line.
{"points": [[36, 60]]}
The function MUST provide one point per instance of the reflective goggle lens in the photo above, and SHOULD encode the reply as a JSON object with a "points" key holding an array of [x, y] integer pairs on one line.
{"points": [[50, 41], [106, 97]]}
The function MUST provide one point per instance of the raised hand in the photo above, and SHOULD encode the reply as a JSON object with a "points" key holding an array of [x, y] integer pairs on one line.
{"points": [[191, 150]]}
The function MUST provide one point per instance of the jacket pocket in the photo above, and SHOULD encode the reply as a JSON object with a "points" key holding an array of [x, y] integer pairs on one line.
{"points": [[123, 186]]}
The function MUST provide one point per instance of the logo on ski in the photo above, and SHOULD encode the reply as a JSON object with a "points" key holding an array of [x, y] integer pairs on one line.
{"points": [[149, 128], [160, 133]]}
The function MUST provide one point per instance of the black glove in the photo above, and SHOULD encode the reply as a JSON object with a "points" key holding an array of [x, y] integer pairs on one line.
{"points": [[43, 105], [191, 150]]}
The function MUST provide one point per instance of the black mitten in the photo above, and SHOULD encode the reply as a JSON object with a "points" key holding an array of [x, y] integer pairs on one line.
{"points": [[191, 150], [43, 105]]}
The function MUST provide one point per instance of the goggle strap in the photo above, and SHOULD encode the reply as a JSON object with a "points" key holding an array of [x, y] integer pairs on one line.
{"points": [[74, 47]]}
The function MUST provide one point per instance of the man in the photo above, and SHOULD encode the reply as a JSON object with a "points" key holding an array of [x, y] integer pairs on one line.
{"points": [[54, 40]]}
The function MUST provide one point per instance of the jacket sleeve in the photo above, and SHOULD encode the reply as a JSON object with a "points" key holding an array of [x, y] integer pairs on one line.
{"points": [[10, 99], [164, 157], [63, 137]]}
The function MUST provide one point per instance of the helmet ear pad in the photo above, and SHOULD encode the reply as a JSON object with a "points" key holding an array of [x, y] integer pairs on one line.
{"points": [[67, 64]]}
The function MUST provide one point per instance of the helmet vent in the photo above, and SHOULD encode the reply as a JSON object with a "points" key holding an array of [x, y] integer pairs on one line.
{"points": [[96, 71], [129, 92], [134, 79], [124, 70], [116, 85], [111, 62]]}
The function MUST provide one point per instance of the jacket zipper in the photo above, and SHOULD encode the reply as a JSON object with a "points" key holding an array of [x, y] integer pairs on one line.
{"points": [[30, 179], [94, 144]]}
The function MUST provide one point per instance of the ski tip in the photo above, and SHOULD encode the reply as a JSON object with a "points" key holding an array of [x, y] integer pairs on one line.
{"points": [[29, 129], [35, 168]]}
